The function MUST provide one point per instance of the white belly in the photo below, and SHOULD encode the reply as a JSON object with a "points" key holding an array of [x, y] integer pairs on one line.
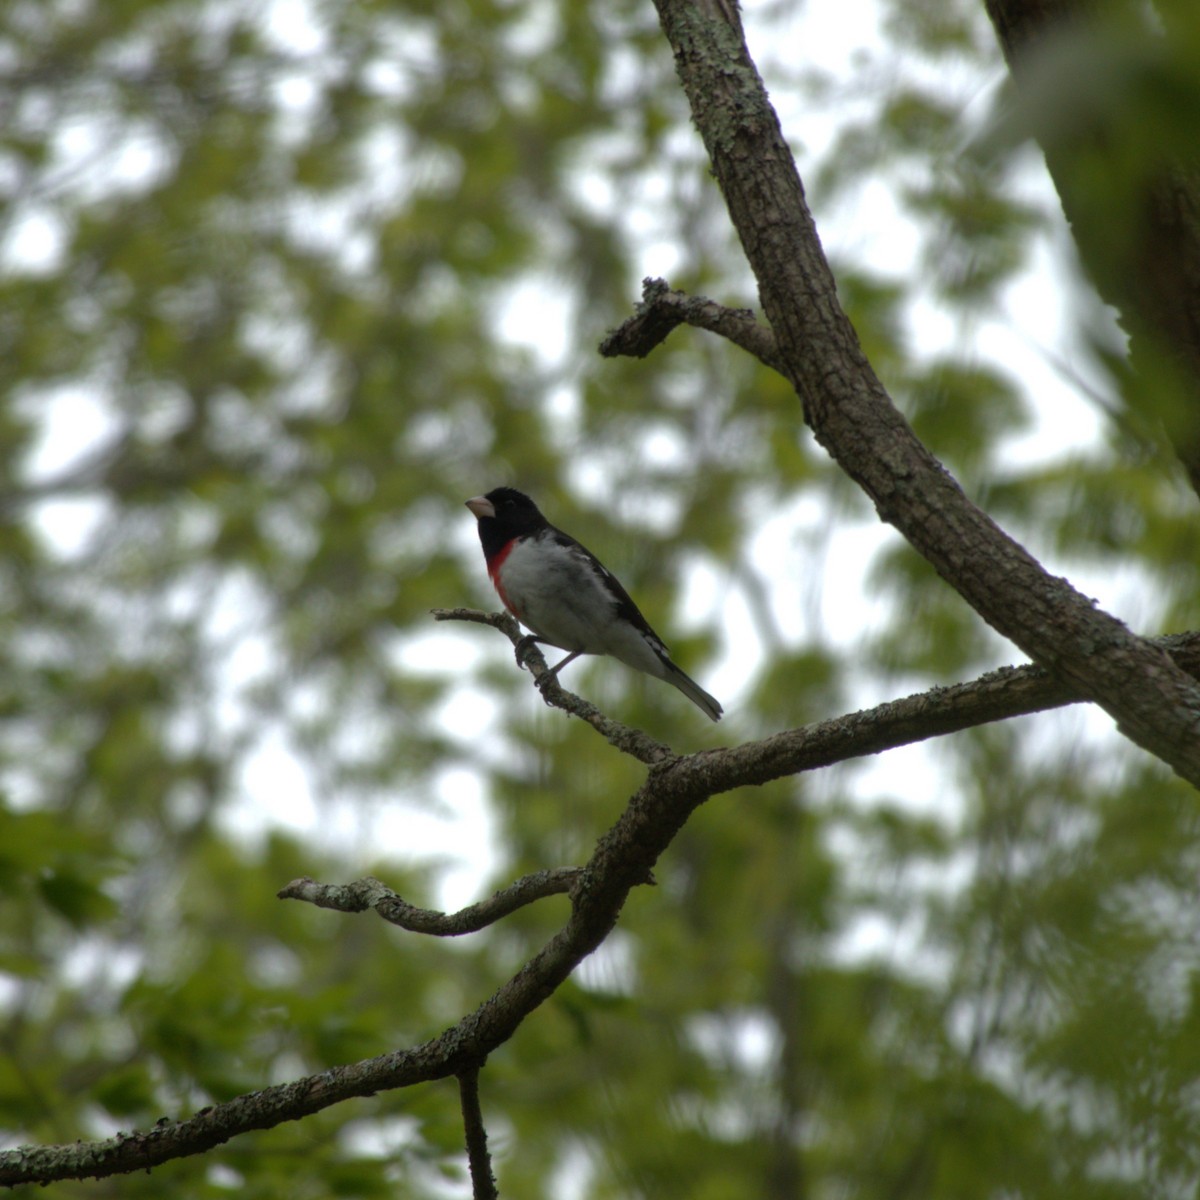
{"points": [[570, 607]]}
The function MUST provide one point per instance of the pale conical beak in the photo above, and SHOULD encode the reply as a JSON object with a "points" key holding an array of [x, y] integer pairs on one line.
{"points": [[481, 506]]}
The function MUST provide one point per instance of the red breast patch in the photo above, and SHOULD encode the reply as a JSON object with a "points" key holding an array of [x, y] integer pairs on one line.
{"points": [[493, 566]]}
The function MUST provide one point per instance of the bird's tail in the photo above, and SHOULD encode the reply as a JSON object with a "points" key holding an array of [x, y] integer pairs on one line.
{"points": [[692, 690]]}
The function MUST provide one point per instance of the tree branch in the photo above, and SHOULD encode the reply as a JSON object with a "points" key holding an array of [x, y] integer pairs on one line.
{"points": [[1092, 656], [1155, 704], [483, 1182], [624, 857], [370, 893], [997, 696], [663, 308], [628, 740]]}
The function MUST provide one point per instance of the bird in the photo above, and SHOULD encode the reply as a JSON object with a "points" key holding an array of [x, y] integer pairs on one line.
{"points": [[562, 592]]}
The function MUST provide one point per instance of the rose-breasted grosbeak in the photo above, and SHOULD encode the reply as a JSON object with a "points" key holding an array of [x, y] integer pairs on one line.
{"points": [[562, 591]]}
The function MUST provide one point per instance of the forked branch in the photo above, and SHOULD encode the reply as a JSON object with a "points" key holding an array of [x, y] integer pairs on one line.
{"points": [[663, 308], [1154, 703], [623, 859]]}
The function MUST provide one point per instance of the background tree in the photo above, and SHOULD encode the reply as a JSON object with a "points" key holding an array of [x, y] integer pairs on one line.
{"points": [[280, 290]]}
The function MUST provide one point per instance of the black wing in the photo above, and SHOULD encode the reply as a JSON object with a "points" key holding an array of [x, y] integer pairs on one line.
{"points": [[626, 608]]}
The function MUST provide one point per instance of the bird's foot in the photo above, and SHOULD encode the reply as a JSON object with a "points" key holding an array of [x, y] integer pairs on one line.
{"points": [[523, 647]]}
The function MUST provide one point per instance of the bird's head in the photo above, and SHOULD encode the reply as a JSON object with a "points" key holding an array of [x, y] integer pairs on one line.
{"points": [[511, 510]]}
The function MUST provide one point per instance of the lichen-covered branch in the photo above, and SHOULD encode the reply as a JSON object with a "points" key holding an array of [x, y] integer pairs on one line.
{"points": [[369, 893], [624, 858], [479, 1160]]}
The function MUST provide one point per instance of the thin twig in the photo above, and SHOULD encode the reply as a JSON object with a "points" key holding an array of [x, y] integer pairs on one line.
{"points": [[483, 1182], [628, 740]]}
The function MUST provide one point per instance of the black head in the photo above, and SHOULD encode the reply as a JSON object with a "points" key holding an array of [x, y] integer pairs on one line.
{"points": [[503, 514]]}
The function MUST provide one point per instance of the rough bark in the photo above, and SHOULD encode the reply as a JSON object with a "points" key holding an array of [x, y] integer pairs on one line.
{"points": [[1154, 702]]}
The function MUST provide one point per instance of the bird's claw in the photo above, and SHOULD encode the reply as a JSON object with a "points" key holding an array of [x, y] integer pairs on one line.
{"points": [[522, 648]]}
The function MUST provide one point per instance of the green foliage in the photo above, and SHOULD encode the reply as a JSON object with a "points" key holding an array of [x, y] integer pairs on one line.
{"points": [[307, 289]]}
